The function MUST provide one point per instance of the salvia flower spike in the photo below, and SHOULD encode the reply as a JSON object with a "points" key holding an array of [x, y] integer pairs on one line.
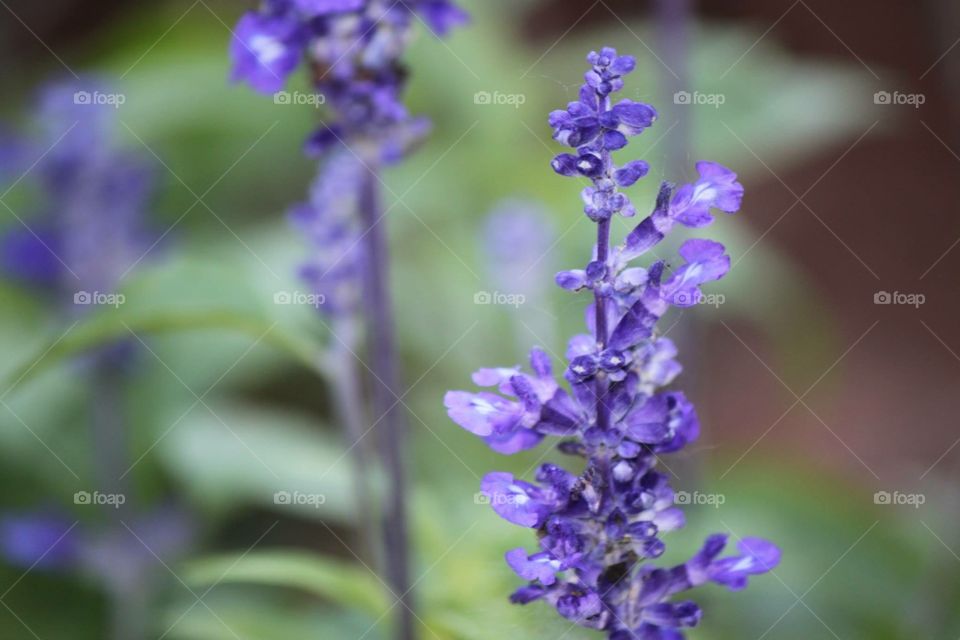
{"points": [[600, 530]]}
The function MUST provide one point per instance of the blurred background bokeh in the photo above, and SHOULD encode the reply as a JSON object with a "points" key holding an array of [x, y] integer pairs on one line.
{"points": [[825, 374]]}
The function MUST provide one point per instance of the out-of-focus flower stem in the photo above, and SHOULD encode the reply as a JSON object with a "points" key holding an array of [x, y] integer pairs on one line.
{"points": [[128, 606], [349, 402], [381, 347]]}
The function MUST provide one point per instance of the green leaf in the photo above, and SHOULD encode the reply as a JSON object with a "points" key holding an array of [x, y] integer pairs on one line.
{"points": [[349, 585], [225, 454]]}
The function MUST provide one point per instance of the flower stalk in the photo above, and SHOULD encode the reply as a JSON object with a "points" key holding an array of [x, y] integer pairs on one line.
{"points": [[600, 530]]}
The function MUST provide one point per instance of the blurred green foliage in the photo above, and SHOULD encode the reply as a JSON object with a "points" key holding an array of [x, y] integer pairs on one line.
{"points": [[203, 305]]}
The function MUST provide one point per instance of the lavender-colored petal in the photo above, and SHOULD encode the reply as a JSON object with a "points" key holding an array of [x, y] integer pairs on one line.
{"points": [[265, 50], [573, 280], [633, 117], [756, 556], [636, 325], [514, 500], [628, 174], [539, 566], [514, 441], [483, 414]]}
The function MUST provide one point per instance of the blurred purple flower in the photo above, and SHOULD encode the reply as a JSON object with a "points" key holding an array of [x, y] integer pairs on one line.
{"points": [[329, 221], [41, 539], [353, 48], [517, 238], [90, 228]]}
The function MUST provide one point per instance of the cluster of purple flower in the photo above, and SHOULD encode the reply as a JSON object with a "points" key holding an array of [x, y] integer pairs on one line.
{"points": [[353, 50], [89, 228], [598, 529]]}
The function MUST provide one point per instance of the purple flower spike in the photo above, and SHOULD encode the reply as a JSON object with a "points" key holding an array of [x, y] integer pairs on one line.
{"points": [[600, 531], [352, 49]]}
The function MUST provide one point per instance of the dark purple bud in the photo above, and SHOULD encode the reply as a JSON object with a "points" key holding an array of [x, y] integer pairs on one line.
{"points": [[583, 367], [642, 530], [613, 140], [571, 280], [565, 164], [616, 525], [654, 548], [590, 165], [613, 360], [633, 117], [628, 174], [559, 118], [623, 65], [596, 270], [629, 449]]}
